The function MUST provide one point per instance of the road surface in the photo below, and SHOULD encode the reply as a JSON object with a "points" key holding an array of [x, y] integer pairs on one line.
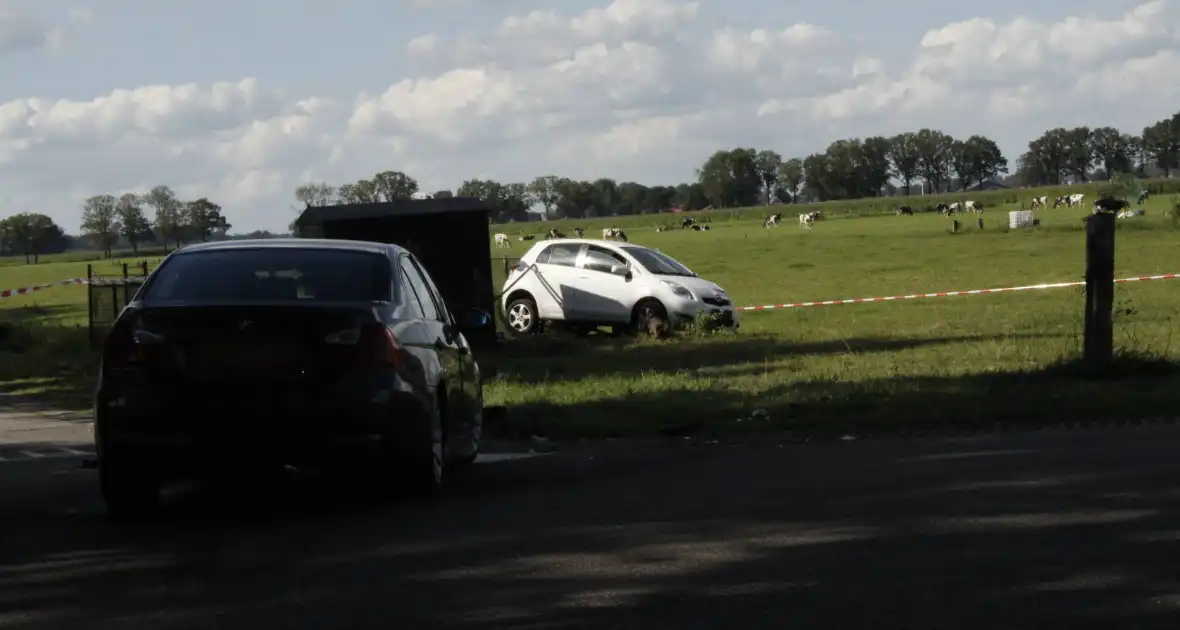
{"points": [[1072, 530]]}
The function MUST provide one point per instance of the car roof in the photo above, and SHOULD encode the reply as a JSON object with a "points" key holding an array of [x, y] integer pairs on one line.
{"points": [[291, 243], [583, 241]]}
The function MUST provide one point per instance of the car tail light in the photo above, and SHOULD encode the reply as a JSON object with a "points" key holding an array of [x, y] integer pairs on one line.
{"points": [[130, 345], [368, 345]]}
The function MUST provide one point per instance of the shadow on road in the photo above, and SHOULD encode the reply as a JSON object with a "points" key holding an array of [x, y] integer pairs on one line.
{"points": [[1075, 531]]}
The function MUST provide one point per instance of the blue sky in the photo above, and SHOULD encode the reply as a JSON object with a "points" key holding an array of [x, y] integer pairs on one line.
{"points": [[657, 129]]}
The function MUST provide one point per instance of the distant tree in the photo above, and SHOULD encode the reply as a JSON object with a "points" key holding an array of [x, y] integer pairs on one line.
{"points": [[934, 157], [1112, 150], [394, 185], [100, 221], [170, 220], [790, 179], [768, 163], [31, 234], [315, 194], [134, 224], [904, 158], [544, 191], [204, 219]]}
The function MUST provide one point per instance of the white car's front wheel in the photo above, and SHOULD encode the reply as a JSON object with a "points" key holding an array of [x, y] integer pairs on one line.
{"points": [[522, 316]]}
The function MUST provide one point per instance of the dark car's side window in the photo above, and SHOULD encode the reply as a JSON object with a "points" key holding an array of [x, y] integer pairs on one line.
{"points": [[439, 303], [564, 254], [429, 311], [412, 300]]}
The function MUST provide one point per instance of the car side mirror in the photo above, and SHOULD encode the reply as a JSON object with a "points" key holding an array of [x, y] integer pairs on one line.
{"points": [[474, 319], [621, 270]]}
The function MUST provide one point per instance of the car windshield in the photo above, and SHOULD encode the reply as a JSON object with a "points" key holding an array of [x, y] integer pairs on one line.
{"points": [[273, 274], [658, 263]]}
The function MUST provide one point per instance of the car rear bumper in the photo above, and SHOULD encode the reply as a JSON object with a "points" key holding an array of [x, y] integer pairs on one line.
{"points": [[200, 435]]}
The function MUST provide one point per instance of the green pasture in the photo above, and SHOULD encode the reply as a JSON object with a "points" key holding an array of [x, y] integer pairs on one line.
{"points": [[949, 362]]}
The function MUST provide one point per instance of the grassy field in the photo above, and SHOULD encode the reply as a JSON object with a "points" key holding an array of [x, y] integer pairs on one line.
{"points": [[44, 348], [941, 363]]}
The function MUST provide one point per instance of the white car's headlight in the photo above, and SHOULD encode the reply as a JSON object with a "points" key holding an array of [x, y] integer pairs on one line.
{"points": [[677, 289]]}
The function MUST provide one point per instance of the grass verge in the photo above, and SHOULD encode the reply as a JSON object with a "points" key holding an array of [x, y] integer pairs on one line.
{"points": [[755, 385], [44, 364]]}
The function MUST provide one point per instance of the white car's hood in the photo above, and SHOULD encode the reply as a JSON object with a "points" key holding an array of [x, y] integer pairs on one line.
{"points": [[698, 286]]}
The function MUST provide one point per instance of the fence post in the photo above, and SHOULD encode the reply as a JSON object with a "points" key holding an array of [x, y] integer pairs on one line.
{"points": [[89, 304], [1098, 346]]}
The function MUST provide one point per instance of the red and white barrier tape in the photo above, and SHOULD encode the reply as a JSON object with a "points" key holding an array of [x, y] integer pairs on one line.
{"points": [[916, 296], [7, 293]]}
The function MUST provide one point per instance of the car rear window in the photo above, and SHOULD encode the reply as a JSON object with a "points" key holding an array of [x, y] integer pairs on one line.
{"points": [[273, 274]]}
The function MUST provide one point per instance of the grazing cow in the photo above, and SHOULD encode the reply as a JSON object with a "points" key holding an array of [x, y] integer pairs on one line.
{"points": [[526, 237], [502, 240], [943, 209], [805, 220], [553, 233], [973, 206], [613, 234], [904, 210], [687, 223], [579, 232], [772, 220], [1143, 196], [955, 208], [700, 228], [816, 216], [1070, 201], [1106, 204], [1040, 202], [1127, 214]]}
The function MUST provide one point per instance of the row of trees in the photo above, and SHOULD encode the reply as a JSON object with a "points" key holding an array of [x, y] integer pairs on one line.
{"points": [[31, 234], [925, 161], [156, 217], [107, 219]]}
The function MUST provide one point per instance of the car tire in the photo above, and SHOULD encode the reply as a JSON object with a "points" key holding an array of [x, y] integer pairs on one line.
{"points": [[522, 317], [422, 456], [645, 312], [477, 428], [130, 484]]}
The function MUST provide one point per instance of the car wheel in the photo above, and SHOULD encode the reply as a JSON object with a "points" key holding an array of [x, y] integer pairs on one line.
{"points": [[648, 313], [476, 431], [422, 456], [130, 484], [522, 316]]}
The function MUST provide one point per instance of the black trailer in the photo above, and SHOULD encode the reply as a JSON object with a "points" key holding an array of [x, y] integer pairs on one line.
{"points": [[449, 236]]}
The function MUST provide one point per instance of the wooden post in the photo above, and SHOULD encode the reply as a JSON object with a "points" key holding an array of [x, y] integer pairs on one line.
{"points": [[981, 223], [954, 226], [1098, 347]]}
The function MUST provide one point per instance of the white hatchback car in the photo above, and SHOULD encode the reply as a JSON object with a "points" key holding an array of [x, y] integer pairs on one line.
{"points": [[593, 283]]}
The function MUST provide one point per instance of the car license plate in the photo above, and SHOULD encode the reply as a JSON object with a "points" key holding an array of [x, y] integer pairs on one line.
{"points": [[248, 357]]}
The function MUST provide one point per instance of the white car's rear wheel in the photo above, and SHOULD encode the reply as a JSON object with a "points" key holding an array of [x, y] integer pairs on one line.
{"points": [[522, 316]]}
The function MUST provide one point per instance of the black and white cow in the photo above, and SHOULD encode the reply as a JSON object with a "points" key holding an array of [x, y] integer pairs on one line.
{"points": [[904, 211], [772, 220]]}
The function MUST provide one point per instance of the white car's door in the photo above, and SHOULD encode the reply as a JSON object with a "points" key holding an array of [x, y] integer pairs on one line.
{"points": [[557, 274], [604, 296]]}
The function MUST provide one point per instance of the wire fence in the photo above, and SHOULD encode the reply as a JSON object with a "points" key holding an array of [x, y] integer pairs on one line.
{"points": [[109, 288]]}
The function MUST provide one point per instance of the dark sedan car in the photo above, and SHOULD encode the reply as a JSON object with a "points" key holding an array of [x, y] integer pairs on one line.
{"points": [[286, 352]]}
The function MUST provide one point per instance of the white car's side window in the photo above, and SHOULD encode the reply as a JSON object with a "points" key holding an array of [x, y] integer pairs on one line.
{"points": [[601, 259], [565, 254]]}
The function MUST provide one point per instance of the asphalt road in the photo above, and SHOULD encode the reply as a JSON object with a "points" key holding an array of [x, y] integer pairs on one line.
{"points": [[1071, 530]]}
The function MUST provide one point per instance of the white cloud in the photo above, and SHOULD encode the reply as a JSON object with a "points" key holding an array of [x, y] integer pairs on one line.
{"points": [[637, 89], [20, 32]]}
